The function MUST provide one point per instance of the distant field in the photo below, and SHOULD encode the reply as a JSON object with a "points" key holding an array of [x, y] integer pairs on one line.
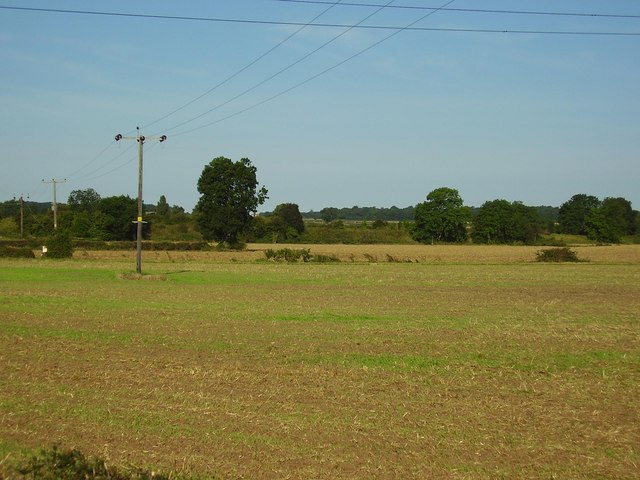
{"points": [[458, 254], [469, 362]]}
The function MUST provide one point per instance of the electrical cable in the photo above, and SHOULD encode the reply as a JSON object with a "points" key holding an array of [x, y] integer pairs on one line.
{"points": [[250, 64], [103, 166], [127, 162], [279, 72], [396, 30], [70, 176], [313, 77], [470, 10], [323, 25], [89, 176]]}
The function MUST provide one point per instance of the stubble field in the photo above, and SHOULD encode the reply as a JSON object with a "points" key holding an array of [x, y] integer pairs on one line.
{"points": [[467, 362]]}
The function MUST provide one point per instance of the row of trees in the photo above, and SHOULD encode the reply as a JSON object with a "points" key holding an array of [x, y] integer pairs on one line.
{"points": [[444, 218], [363, 214], [230, 196], [85, 215], [608, 220]]}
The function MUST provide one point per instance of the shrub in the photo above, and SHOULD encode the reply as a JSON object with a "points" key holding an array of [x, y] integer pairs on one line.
{"points": [[55, 464], [557, 255], [324, 259], [288, 255], [59, 245]]}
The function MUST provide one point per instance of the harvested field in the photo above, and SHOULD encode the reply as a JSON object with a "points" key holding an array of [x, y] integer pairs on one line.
{"points": [[475, 362], [457, 254]]}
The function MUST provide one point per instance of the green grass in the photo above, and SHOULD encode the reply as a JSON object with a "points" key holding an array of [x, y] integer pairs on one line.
{"points": [[351, 370]]}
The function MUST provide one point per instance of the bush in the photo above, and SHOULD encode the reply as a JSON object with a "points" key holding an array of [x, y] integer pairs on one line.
{"points": [[55, 464], [16, 252], [557, 255], [324, 259], [59, 245], [291, 256], [288, 255]]}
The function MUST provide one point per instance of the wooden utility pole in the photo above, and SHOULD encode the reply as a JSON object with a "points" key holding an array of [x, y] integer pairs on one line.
{"points": [[21, 217], [140, 139], [54, 207]]}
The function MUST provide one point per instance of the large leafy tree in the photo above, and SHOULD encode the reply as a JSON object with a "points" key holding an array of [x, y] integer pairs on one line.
{"points": [[287, 220], [86, 200], [162, 207], [83, 210], [442, 218], [329, 214], [229, 198], [613, 219], [115, 218], [499, 221], [574, 212]]}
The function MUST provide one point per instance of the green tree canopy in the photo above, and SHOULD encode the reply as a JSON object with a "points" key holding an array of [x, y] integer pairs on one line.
{"points": [[499, 221], [290, 215], [162, 208], [442, 218], [229, 197], [9, 228], [613, 219], [329, 214], [83, 200], [116, 218], [573, 213]]}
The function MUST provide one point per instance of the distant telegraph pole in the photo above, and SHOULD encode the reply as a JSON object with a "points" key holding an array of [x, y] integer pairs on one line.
{"points": [[54, 206], [140, 139], [21, 203], [22, 216]]}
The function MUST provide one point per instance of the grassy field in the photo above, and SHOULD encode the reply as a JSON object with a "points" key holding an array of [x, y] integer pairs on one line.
{"points": [[468, 362]]}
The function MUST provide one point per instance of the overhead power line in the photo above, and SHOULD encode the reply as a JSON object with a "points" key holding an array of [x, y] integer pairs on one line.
{"points": [[241, 70], [322, 25], [313, 77], [99, 173], [72, 175], [470, 10], [281, 71]]}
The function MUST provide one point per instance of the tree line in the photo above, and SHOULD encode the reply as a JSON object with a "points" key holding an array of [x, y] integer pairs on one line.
{"points": [[230, 197], [444, 218]]}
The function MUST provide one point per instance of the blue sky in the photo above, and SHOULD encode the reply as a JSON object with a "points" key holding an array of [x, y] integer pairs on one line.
{"points": [[530, 117]]}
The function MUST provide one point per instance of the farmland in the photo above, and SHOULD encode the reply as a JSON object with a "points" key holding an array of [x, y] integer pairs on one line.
{"points": [[397, 362]]}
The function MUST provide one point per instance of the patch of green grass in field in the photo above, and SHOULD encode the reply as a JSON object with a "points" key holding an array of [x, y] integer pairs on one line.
{"points": [[590, 361], [38, 274], [119, 338], [41, 303], [330, 317], [392, 362], [253, 275], [66, 334]]}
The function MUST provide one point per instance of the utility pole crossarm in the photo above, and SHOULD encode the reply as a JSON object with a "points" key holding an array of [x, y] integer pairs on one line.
{"points": [[140, 139]]}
